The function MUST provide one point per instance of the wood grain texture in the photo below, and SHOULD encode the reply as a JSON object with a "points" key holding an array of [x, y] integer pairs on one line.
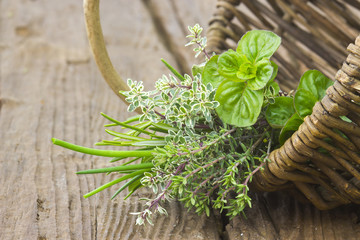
{"points": [[50, 87]]}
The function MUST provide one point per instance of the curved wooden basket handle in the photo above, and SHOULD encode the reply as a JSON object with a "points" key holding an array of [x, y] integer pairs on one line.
{"points": [[97, 44]]}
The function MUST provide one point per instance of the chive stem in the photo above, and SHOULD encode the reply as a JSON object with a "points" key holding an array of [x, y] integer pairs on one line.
{"points": [[100, 152], [109, 184], [118, 168]]}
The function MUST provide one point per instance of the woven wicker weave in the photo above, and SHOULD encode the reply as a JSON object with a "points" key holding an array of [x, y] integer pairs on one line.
{"points": [[314, 35]]}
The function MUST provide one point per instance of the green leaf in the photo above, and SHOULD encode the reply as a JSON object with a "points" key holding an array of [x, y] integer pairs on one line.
{"points": [[278, 114], [315, 82], [304, 102], [229, 64], [272, 89], [312, 88], [275, 71], [258, 44], [247, 71], [211, 74], [291, 126], [239, 105], [198, 69], [263, 75]]}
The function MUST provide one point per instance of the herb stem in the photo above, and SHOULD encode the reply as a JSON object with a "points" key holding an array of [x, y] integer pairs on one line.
{"points": [[100, 152], [205, 166], [204, 182], [109, 184], [206, 146], [258, 167]]}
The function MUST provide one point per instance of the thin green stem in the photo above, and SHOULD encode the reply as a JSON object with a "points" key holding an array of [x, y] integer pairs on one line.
{"points": [[128, 126], [118, 168], [208, 145], [109, 184], [176, 73], [126, 185], [104, 153]]}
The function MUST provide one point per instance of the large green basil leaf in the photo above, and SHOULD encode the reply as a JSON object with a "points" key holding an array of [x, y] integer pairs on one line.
{"points": [[211, 74], [315, 82], [291, 126], [229, 64], [263, 75], [278, 114], [239, 106], [304, 102], [312, 88], [258, 44]]}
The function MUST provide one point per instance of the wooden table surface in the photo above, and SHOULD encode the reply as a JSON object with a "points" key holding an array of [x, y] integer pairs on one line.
{"points": [[51, 87]]}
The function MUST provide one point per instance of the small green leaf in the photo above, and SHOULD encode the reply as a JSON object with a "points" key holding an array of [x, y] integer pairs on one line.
{"points": [[211, 74], [272, 89], [312, 88], [239, 105], [258, 44], [315, 82], [304, 102], [278, 114], [229, 63], [247, 71], [197, 69], [291, 126], [263, 75]]}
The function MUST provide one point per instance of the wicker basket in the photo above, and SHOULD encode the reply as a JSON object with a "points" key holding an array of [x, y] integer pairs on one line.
{"points": [[314, 35]]}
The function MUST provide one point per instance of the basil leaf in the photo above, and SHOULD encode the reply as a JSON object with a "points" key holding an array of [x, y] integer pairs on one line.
{"points": [[211, 74], [315, 82], [258, 44], [312, 88], [247, 71], [304, 102], [272, 89], [291, 126], [239, 106], [263, 75], [229, 64], [278, 114]]}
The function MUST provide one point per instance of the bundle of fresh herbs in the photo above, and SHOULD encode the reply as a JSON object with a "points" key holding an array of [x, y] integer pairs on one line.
{"points": [[203, 136]]}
